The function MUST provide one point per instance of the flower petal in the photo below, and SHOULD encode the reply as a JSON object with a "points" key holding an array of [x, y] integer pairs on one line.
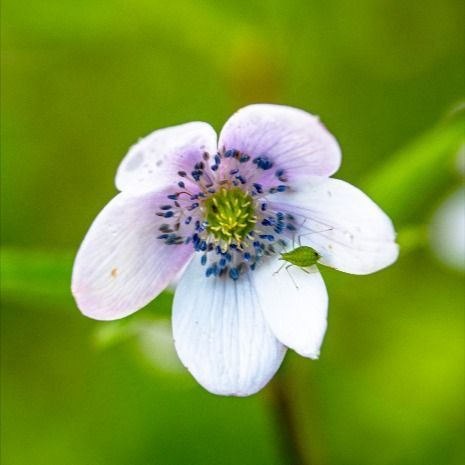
{"points": [[154, 161], [295, 303], [121, 265], [343, 224], [221, 335], [292, 139]]}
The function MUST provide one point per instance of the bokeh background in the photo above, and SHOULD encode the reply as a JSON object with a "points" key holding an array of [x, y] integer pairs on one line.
{"points": [[82, 81]]}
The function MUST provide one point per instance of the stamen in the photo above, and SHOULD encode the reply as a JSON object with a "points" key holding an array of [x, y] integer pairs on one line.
{"points": [[224, 217]]}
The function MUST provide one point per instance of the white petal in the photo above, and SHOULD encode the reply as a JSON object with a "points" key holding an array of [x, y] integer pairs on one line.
{"points": [[154, 161], [343, 224], [292, 139], [121, 265], [221, 335], [295, 303]]}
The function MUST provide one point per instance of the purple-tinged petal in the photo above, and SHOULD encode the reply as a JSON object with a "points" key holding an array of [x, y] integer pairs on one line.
{"points": [[153, 163], [342, 224], [295, 304], [221, 335], [294, 141], [121, 265]]}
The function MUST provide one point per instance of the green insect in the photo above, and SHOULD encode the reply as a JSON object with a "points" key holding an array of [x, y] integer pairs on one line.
{"points": [[302, 256]]}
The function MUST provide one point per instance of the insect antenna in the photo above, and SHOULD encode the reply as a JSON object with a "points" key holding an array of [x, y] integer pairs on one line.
{"points": [[312, 232]]}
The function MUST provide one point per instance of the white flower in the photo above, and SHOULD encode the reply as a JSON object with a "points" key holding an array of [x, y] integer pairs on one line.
{"points": [[228, 209]]}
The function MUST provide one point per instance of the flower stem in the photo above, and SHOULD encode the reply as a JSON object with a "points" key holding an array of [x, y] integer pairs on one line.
{"points": [[286, 422]]}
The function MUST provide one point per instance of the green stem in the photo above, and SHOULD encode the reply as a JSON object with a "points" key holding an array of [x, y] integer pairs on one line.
{"points": [[286, 422]]}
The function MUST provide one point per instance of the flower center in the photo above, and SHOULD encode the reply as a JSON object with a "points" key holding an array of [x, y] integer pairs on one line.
{"points": [[230, 214], [220, 206]]}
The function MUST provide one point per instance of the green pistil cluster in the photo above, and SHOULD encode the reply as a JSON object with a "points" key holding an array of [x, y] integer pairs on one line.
{"points": [[230, 214]]}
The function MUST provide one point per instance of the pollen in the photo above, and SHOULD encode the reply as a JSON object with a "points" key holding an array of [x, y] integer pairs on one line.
{"points": [[230, 214]]}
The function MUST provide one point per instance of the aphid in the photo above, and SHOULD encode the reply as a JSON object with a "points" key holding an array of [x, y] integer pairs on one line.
{"points": [[302, 256]]}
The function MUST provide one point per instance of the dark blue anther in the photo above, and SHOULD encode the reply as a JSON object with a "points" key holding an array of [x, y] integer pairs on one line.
{"points": [[183, 174], [203, 260], [279, 173], [246, 256], [188, 220], [166, 207], [212, 190], [228, 257], [214, 167], [258, 187], [290, 227], [280, 215], [241, 179], [234, 171], [197, 174], [244, 158], [281, 188], [234, 274], [181, 185], [257, 244], [173, 196], [217, 159], [168, 214], [230, 153], [203, 246], [263, 163], [263, 207], [222, 263], [199, 166], [163, 236]]}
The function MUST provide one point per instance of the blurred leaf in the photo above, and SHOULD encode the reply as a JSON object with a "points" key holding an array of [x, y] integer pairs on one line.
{"points": [[413, 177], [30, 274]]}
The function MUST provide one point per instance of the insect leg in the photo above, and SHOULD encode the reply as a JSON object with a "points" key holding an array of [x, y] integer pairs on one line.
{"points": [[289, 273], [279, 269]]}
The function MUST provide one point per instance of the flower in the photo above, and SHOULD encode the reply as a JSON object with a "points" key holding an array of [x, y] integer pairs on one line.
{"points": [[225, 212]]}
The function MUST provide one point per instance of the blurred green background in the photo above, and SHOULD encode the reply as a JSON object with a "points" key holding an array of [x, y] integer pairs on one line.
{"points": [[82, 81]]}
